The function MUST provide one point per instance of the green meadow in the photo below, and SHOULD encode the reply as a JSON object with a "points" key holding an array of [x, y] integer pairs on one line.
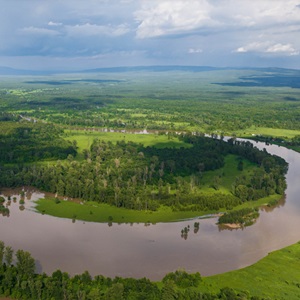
{"points": [[100, 212], [103, 213], [84, 139], [277, 276], [227, 174], [265, 131]]}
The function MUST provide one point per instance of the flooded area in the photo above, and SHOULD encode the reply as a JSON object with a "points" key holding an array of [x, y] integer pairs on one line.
{"points": [[151, 251]]}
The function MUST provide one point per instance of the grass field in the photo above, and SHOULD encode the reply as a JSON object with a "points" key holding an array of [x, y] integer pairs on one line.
{"points": [[85, 139], [265, 131], [100, 212], [227, 174], [276, 276]]}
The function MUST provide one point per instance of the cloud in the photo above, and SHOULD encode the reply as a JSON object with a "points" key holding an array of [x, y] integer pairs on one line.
{"points": [[152, 31], [195, 50], [159, 18], [253, 47], [50, 23], [280, 48], [88, 29], [257, 14], [38, 31], [268, 47], [172, 17]]}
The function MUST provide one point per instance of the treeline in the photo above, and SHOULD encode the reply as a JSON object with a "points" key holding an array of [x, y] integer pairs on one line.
{"points": [[19, 280], [4, 116], [294, 141], [26, 141], [132, 176]]}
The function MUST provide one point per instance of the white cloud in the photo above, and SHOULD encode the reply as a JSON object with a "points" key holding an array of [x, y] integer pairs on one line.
{"points": [[165, 17], [280, 48], [88, 29], [268, 47], [54, 24], [195, 50], [38, 31], [172, 17], [253, 47], [258, 14], [241, 50]]}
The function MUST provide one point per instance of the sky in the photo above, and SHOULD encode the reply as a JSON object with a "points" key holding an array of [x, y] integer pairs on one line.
{"points": [[85, 34]]}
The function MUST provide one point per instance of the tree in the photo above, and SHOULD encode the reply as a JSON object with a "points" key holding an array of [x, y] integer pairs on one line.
{"points": [[227, 294], [240, 166], [2, 247], [216, 182], [115, 292], [241, 191], [8, 255], [169, 291], [25, 263]]}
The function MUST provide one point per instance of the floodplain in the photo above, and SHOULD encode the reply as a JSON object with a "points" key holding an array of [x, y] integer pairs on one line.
{"points": [[130, 148]]}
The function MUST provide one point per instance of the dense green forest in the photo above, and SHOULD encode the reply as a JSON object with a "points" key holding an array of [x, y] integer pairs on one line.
{"points": [[25, 141], [133, 176]]}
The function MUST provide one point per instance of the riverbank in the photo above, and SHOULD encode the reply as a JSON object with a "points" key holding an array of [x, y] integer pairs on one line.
{"points": [[99, 212], [275, 136], [273, 277]]}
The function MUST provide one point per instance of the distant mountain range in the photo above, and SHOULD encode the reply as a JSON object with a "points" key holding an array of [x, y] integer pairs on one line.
{"points": [[15, 72]]}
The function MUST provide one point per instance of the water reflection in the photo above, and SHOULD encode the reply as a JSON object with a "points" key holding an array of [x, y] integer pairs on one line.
{"points": [[230, 227], [185, 231]]}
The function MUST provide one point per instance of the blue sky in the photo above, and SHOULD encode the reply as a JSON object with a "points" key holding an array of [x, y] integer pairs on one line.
{"points": [[83, 34]]}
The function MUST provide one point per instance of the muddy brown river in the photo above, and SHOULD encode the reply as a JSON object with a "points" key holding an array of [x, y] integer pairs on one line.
{"points": [[152, 251]]}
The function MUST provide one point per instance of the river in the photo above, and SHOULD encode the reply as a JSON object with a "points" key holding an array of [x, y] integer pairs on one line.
{"points": [[136, 250]]}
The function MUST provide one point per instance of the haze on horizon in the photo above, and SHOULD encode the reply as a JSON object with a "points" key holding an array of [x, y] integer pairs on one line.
{"points": [[74, 34]]}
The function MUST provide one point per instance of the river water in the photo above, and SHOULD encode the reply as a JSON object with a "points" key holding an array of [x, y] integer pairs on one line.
{"points": [[152, 251]]}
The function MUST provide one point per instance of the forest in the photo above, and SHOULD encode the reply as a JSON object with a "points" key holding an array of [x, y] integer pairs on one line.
{"points": [[129, 175]]}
